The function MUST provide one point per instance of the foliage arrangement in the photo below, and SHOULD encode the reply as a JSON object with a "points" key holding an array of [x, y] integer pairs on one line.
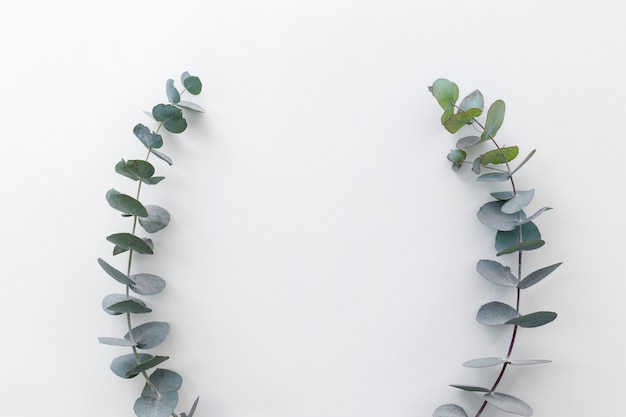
{"points": [[516, 233], [159, 397]]}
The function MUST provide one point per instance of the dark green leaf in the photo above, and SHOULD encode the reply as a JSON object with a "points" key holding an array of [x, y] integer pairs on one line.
{"points": [[471, 388], [507, 239], [467, 142], [449, 410], [190, 106], [495, 117], [526, 245], [499, 156], [537, 276], [115, 299], [484, 362], [491, 215], [460, 119], [149, 139], [129, 306], [157, 219], [508, 404], [122, 364], [149, 335], [145, 365], [161, 406], [135, 169], [495, 313], [533, 319], [172, 93], [162, 156], [114, 341], [128, 241], [171, 117], [153, 180], [494, 176], [125, 203], [518, 202], [114, 273], [496, 272], [191, 83], [147, 284], [446, 92]]}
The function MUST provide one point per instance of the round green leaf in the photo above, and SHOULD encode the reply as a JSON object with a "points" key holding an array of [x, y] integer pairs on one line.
{"points": [[157, 219], [170, 116], [122, 364], [449, 410], [533, 319], [149, 335], [164, 380], [495, 313], [135, 169], [147, 284], [191, 83], [474, 100], [510, 238], [446, 92], [125, 203], [172, 93]]}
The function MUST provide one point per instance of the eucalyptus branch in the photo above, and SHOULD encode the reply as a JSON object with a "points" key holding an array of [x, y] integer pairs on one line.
{"points": [[515, 234], [159, 397]]}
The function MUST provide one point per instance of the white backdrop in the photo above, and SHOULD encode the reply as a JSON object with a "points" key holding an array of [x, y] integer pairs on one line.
{"points": [[320, 260]]}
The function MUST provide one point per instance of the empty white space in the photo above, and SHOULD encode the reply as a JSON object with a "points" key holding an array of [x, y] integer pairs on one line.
{"points": [[321, 255]]}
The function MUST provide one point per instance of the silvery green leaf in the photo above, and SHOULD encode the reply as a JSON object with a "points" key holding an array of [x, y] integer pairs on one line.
{"points": [[115, 274], [449, 410], [467, 142], [114, 341], [533, 319], [157, 218], [491, 215], [172, 93], [534, 216], [125, 203], [145, 365], [193, 408], [190, 106], [162, 156], [164, 380], [510, 238], [537, 276], [476, 166], [530, 155], [131, 242], [496, 272], [122, 364], [484, 362], [503, 195], [149, 335], [508, 404], [115, 299], [148, 138], [524, 362], [521, 246], [474, 100], [495, 117], [147, 284], [446, 92], [161, 406], [471, 388], [518, 202], [494, 176], [495, 313]]}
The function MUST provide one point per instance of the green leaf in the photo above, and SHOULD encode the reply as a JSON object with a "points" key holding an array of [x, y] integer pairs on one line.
{"points": [[114, 341], [537, 276], [191, 83], [145, 365], [530, 155], [508, 403], [449, 410], [495, 117], [190, 106], [467, 142], [457, 156], [153, 180], [122, 364], [506, 239], [499, 156], [149, 335], [171, 117], [115, 274], [526, 245], [147, 284], [161, 406], [494, 176], [129, 306], [496, 273], [495, 313], [162, 156], [474, 101], [470, 388], [157, 219], [128, 241], [518, 202], [125, 203], [172, 93], [491, 215], [533, 319], [135, 169], [149, 139], [460, 119], [484, 362], [446, 92], [115, 300]]}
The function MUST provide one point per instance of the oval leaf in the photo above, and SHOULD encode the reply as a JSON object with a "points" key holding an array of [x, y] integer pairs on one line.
{"points": [[510, 238], [449, 410], [496, 272], [491, 215], [149, 335], [147, 284], [484, 362], [533, 319], [115, 299], [518, 202], [125, 203], [495, 313], [537, 276], [495, 117], [446, 92], [474, 100], [508, 404], [172, 93], [191, 83], [145, 365], [135, 169], [499, 156], [157, 219], [161, 406], [460, 119], [122, 364], [467, 141], [114, 273], [128, 241], [164, 380]]}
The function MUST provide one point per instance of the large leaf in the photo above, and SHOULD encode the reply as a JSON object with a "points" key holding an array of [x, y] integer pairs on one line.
{"points": [[122, 364], [474, 100], [499, 156], [125, 203], [460, 119], [522, 246], [135, 169], [191, 83], [491, 215], [495, 313], [484, 362], [508, 404], [115, 273], [170, 116], [495, 117], [130, 242], [157, 219], [172, 93], [149, 335], [111, 304], [449, 410], [510, 238], [537, 276], [518, 202], [496, 272], [161, 406], [147, 284], [148, 138], [533, 319]]}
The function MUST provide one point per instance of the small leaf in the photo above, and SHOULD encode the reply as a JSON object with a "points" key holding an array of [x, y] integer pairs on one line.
{"points": [[494, 176], [503, 195], [491, 215], [191, 83], [474, 100], [449, 410], [470, 388], [162, 156], [530, 155], [495, 117], [518, 202], [533, 319], [115, 299], [510, 238], [129, 306], [460, 119], [130, 242], [149, 139], [476, 166], [446, 92], [164, 380], [135, 169], [171, 117], [114, 273], [524, 362], [157, 219], [499, 156], [467, 142], [114, 341], [526, 245], [534, 216], [495, 313], [497, 273], [457, 157], [190, 106], [122, 364], [153, 180], [125, 203], [149, 335], [147, 284], [484, 362], [162, 406], [172, 93], [193, 408], [508, 404], [537, 276]]}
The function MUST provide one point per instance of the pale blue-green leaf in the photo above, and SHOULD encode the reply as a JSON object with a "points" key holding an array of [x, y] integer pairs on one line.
{"points": [[494, 176], [172, 93], [491, 215], [157, 219], [530, 155], [147, 284], [449, 410], [536, 319], [476, 166], [508, 403], [190, 106], [537, 276], [114, 341], [162, 156], [446, 92], [534, 216], [503, 195], [131, 242], [467, 142], [191, 83], [125, 203], [474, 100], [149, 335], [145, 365], [495, 117], [484, 362], [495, 313], [162, 406], [499, 156], [122, 364], [115, 299], [470, 388], [460, 119], [496, 273], [148, 138], [507, 239], [524, 362], [526, 245], [518, 202], [164, 380], [115, 273], [193, 408]]}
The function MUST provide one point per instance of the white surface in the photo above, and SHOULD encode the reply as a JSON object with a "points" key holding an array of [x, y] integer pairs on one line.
{"points": [[320, 261]]}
